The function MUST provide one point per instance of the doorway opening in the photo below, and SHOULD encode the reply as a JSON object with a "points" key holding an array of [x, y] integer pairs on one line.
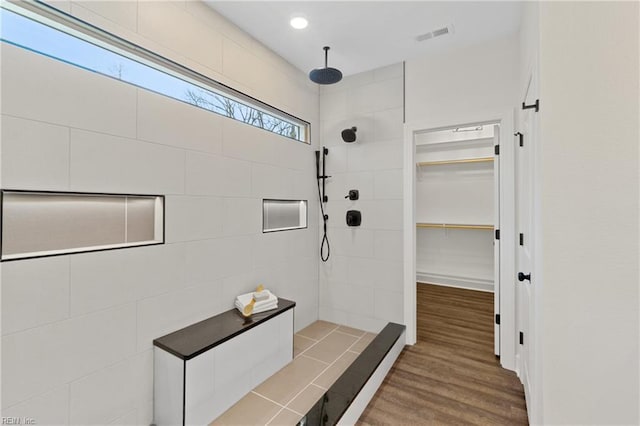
{"points": [[459, 202], [457, 233]]}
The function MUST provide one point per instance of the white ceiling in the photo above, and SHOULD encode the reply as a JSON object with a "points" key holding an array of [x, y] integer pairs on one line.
{"points": [[365, 35]]}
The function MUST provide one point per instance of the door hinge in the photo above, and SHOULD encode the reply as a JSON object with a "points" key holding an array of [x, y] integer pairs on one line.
{"points": [[520, 138], [521, 338], [497, 234], [535, 106], [496, 149], [521, 239], [498, 319]]}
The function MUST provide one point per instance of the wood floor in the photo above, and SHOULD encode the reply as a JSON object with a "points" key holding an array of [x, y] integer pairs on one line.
{"points": [[450, 376]]}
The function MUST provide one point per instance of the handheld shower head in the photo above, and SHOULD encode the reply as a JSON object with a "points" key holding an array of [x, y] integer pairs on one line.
{"points": [[349, 135]]}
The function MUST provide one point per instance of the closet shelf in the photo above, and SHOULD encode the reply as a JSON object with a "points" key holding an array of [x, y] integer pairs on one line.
{"points": [[488, 141], [461, 161], [454, 226]]}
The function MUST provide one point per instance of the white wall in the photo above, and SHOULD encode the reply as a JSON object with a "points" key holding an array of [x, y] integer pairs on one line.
{"points": [[361, 284], [462, 82], [471, 85], [77, 330], [589, 97]]}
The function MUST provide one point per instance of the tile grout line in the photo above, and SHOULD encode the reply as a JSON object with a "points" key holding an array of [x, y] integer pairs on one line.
{"points": [[274, 416], [316, 340], [268, 399], [328, 365], [318, 360], [323, 371]]}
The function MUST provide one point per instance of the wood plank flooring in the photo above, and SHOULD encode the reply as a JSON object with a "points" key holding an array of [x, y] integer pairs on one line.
{"points": [[450, 376]]}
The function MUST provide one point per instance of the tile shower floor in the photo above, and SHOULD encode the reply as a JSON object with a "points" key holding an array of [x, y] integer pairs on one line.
{"points": [[322, 352]]}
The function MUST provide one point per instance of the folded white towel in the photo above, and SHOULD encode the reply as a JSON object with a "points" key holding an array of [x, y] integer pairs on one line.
{"points": [[263, 305], [261, 295], [261, 309]]}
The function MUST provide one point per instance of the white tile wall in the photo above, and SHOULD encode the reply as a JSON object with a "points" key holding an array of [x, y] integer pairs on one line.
{"points": [[219, 258], [215, 175], [388, 245], [131, 418], [388, 185], [163, 120], [361, 285], [111, 392], [388, 124], [340, 183], [34, 292], [389, 305], [271, 182], [103, 279], [38, 154], [104, 163], [77, 330], [193, 218], [65, 95], [172, 311], [351, 241], [375, 156], [39, 359], [124, 14], [241, 216], [378, 96], [50, 408], [332, 128], [198, 42], [249, 142]]}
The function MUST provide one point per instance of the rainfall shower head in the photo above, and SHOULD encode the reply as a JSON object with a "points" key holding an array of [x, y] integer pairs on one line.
{"points": [[349, 135], [325, 75]]}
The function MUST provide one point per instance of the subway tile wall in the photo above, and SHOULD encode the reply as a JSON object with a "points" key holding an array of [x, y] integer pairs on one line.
{"points": [[361, 284], [77, 330]]}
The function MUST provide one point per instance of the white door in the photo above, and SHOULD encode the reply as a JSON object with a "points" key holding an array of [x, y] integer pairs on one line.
{"points": [[496, 242], [525, 238]]}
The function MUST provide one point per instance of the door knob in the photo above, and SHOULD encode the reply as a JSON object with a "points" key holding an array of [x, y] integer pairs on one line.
{"points": [[522, 276]]}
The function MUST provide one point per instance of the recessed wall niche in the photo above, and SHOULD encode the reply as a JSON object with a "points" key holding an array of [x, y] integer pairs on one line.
{"points": [[283, 215], [43, 223]]}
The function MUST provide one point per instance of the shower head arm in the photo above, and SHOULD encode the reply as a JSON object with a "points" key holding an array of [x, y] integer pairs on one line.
{"points": [[326, 56]]}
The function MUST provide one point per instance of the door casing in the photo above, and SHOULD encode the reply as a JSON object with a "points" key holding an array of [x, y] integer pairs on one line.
{"points": [[507, 224]]}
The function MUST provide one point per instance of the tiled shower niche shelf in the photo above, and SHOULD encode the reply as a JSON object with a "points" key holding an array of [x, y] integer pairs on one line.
{"points": [[49, 223], [283, 215]]}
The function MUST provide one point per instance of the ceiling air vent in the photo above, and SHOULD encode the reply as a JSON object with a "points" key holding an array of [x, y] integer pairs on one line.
{"points": [[436, 33]]}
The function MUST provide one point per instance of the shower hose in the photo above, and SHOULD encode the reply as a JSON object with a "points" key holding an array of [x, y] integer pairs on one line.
{"points": [[324, 253]]}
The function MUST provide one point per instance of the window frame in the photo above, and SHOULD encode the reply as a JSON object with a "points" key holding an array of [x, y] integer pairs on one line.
{"points": [[47, 15]]}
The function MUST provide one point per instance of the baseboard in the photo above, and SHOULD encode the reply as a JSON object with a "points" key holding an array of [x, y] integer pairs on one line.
{"points": [[468, 283]]}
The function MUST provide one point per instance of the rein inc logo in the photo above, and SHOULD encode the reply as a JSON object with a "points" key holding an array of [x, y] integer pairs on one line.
{"points": [[18, 421]]}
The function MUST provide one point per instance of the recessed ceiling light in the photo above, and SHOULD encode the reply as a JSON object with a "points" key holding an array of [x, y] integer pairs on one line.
{"points": [[299, 22]]}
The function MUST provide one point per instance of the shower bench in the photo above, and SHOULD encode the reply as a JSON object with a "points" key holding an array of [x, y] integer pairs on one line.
{"points": [[203, 369]]}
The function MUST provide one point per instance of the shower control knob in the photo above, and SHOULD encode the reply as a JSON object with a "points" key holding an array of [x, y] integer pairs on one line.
{"points": [[522, 276], [353, 194]]}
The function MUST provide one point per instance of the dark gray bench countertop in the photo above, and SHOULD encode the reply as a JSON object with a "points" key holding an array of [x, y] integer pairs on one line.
{"points": [[197, 338]]}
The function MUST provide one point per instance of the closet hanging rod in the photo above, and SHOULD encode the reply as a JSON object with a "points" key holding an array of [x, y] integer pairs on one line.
{"points": [[454, 226], [461, 161]]}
